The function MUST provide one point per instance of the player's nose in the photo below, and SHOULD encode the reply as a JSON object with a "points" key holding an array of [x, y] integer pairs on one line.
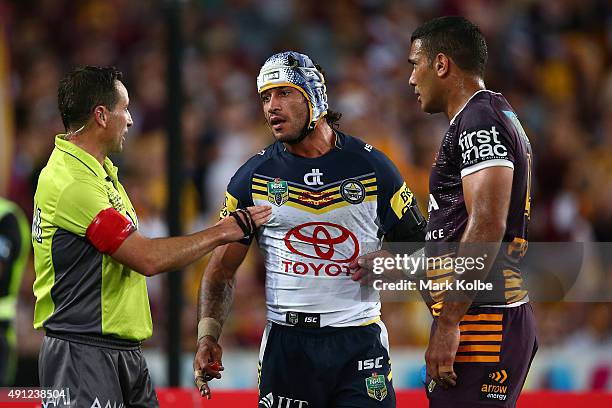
{"points": [[412, 80]]}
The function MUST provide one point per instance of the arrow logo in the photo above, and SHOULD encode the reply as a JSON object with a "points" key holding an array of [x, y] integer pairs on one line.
{"points": [[499, 376]]}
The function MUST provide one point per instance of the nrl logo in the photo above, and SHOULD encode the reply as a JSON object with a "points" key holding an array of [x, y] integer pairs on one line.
{"points": [[292, 318], [376, 387], [278, 192]]}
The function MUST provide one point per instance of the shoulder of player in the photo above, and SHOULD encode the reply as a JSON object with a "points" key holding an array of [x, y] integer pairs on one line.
{"points": [[384, 169], [380, 162], [356, 146], [479, 109]]}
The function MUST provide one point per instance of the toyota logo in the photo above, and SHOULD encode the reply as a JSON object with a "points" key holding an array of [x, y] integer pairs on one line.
{"points": [[323, 237]]}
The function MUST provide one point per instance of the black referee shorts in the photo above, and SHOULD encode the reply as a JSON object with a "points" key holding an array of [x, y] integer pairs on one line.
{"points": [[97, 371], [328, 367]]}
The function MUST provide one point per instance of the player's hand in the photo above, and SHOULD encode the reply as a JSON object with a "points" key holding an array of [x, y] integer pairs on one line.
{"points": [[440, 354], [207, 364], [244, 222], [363, 266]]}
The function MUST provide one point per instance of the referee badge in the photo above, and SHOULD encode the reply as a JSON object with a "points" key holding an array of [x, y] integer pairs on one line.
{"points": [[278, 192], [352, 191], [376, 387]]}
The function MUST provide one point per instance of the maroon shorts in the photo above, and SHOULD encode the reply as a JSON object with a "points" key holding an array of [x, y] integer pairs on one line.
{"points": [[495, 351]]}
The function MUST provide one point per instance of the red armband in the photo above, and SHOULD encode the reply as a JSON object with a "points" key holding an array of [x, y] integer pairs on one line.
{"points": [[108, 230]]}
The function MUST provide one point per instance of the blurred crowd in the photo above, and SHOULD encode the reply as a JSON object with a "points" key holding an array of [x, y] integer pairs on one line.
{"points": [[550, 58]]}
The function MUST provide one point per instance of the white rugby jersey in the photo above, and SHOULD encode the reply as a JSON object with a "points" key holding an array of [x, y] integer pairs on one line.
{"points": [[327, 211]]}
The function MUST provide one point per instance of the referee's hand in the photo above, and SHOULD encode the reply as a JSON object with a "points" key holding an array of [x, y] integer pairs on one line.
{"points": [[251, 218], [207, 364]]}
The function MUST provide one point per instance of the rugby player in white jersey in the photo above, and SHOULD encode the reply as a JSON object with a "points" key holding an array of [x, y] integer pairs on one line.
{"points": [[334, 198]]}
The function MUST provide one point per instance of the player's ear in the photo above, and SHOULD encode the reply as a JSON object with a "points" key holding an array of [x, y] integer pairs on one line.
{"points": [[441, 65], [100, 115]]}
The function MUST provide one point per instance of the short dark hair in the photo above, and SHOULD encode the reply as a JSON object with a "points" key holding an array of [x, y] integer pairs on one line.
{"points": [[83, 89], [456, 37]]}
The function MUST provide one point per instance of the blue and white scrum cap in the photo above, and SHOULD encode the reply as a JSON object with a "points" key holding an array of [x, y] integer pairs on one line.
{"points": [[296, 70]]}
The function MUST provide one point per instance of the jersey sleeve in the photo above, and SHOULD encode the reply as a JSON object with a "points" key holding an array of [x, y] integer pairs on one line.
{"points": [[396, 203], [78, 205], [238, 195], [484, 141]]}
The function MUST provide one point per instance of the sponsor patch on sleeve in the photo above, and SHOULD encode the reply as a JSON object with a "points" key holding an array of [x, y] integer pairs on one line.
{"points": [[230, 204], [401, 200], [478, 145]]}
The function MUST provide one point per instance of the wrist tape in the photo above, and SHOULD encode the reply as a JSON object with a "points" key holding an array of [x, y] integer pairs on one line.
{"points": [[207, 326]]}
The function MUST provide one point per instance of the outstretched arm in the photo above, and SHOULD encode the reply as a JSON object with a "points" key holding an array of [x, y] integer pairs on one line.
{"points": [[153, 256]]}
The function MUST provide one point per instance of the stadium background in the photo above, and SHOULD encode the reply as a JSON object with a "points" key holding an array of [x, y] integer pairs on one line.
{"points": [[550, 58]]}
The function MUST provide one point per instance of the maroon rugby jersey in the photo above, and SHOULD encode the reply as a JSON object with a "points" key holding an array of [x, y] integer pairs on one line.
{"points": [[485, 133]]}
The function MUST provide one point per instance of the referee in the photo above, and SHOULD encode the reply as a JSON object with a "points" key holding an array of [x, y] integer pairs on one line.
{"points": [[14, 251], [90, 260]]}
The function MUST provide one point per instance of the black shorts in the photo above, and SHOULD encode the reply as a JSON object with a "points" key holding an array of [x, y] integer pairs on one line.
{"points": [[113, 372], [495, 352], [325, 367]]}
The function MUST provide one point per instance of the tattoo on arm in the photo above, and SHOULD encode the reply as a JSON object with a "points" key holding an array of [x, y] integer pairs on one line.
{"points": [[217, 287], [215, 298]]}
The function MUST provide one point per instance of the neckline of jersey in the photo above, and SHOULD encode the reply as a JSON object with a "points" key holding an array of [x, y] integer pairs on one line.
{"points": [[468, 101], [102, 171], [338, 143]]}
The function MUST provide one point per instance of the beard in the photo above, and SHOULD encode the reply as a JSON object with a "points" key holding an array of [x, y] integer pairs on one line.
{"points": [[300, 136], [296, 138]]}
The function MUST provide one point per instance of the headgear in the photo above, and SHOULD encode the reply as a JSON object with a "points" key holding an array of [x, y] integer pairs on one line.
{"points": [[298, 71]]}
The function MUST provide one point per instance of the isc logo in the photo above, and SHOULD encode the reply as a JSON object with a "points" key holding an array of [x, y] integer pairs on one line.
{"points": [[369, 363], [311, 319]]}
